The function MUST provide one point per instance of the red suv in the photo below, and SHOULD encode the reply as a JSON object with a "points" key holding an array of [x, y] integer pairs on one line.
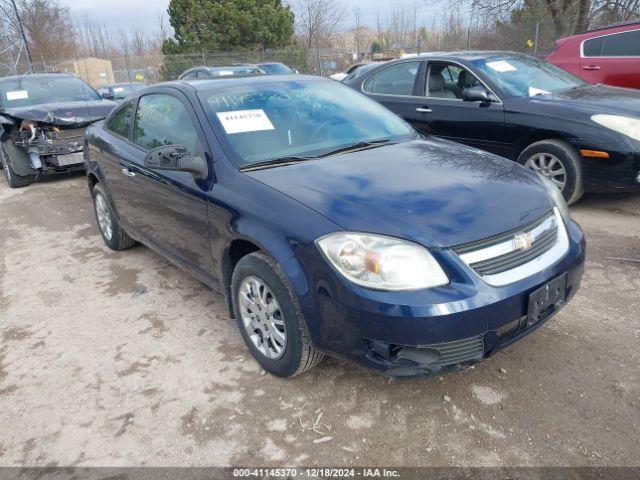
{"points": [[609, 55]]}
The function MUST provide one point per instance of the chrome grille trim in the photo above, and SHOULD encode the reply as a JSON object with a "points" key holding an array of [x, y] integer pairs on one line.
{"points": [[501, 263]]}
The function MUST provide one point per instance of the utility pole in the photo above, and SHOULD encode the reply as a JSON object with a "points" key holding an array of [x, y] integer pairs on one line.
{"points": [[535, 45], [22, 34], [357, 32]]}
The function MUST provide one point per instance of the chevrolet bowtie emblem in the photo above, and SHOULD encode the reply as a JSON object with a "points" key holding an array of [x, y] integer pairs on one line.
{"points": [[522, 241]]}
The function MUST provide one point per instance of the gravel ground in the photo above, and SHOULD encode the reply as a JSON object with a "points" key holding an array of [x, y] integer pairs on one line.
{"points": [[121, 359]]}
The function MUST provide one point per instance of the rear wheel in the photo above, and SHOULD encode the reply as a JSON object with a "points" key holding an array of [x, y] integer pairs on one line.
{"points": [[559, 162], [269, 317], [112, 234], [13, 179]]}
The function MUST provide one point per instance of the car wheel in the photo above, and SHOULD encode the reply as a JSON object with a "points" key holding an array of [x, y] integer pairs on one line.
{"points": [[112, 234], [13, 179], [269, 317], [559, 162]]}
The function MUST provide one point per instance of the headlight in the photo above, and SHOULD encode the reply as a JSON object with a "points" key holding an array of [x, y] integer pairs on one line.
{"points": [[558, 199], [382, 263], [628, 126]]}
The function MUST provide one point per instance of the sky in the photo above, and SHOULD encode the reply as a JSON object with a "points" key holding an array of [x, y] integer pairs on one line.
{"points": [[130, 14]]}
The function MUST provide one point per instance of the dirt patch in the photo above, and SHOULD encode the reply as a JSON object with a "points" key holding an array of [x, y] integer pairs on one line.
{"points": [[15, 334], [120, 280]]}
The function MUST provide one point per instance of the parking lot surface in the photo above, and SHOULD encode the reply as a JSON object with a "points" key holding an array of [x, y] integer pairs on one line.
{"points": [[121, 359]]}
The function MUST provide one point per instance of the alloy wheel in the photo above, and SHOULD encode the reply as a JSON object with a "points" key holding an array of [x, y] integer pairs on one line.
{"points": [[262, 317], [104, 216], [549, 166]]}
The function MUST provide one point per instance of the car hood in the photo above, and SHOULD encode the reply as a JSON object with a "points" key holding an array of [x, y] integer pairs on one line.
{"points": [[433, 192], [592, 99], [62, 113]]}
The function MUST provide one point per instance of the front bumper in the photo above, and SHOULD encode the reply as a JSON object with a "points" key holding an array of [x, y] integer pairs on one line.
{"points": [[618, 173], [400, 333]]}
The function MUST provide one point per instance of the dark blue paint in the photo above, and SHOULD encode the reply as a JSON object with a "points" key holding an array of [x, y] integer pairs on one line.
{"points": [[432, 192]]}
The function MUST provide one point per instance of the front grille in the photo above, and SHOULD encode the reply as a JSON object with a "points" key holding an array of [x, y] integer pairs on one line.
{"points": [[458, 351], [479, 256]]}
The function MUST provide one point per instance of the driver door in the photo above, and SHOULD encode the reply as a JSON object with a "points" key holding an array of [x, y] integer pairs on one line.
{"points": [[443, 113], [169, 208]]}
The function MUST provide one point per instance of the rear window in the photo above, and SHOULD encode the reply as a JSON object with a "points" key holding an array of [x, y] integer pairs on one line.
{"points": [[626, 44], [397, 79], [593, 47]]}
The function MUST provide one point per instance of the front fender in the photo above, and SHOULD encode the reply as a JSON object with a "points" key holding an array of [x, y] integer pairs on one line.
{"points": [[18, 159]]}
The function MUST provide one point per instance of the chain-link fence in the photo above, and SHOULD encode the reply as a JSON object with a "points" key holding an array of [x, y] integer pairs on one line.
{"points": [[156, 68]]}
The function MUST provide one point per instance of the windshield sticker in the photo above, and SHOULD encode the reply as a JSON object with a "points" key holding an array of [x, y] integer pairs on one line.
{"points": [[225, 73], [17, 95], [118, 89], [533, 91], [501, 66], [245, 121]]}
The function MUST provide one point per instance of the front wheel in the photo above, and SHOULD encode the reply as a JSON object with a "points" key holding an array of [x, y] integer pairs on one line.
{"points": [[559, 162], [269, 318]]}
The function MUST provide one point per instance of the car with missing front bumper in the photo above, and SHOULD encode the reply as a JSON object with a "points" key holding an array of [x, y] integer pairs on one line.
{"points": [[331, 226], [42, 120]]}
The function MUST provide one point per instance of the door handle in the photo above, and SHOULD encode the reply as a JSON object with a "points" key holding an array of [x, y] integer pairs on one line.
{"points": [[423, 110], [591, 67], [128, 173]]}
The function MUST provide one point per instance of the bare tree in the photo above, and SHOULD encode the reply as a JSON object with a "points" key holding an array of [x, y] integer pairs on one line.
{"points": [[568, 17], [49, 30], [317, 20]]}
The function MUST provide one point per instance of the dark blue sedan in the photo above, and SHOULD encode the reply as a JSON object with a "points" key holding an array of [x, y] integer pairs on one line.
{"points": [[332, 226]]}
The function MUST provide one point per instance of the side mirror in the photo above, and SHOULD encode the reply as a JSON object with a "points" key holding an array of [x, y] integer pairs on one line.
{"points": [[108, 95], [477, 94], [176, 158]]}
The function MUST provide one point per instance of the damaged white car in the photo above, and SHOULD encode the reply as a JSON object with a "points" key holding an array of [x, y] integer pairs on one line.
{"points": [[42, 120]]}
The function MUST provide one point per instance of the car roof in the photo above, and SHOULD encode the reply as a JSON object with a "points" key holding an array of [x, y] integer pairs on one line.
{"points": [[614, 25], [600, 31], [38, 75], [467, 54], [224, 82], [121, 83]]}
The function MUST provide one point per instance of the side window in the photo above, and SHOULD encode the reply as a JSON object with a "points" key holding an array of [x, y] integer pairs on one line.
{"points": [[625, 44], [164, 120], [189, 76], [397, 79], [203, 74], [448, 80], [119, 122], [592, 47]]}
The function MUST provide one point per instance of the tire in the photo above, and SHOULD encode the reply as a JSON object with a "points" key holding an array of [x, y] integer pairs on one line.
{"points": [[568, 158], [114, 237], [13, 179], [297, 354]]}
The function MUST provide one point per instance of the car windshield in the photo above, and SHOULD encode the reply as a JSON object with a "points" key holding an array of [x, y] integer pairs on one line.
{"points": [[124, 89], [522, 76], [28, 91], [298, 119], [276, 68]]}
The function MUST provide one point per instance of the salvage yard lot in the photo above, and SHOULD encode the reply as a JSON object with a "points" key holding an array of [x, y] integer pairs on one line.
{"points": [[117, 359]]}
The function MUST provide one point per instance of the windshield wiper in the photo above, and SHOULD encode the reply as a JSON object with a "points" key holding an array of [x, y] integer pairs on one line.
{"points": [[356, 146], [289, 160], [275, 162]]}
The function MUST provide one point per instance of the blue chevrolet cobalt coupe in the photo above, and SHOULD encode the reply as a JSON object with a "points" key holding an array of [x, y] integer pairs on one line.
{"points": [[333, 227]]}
